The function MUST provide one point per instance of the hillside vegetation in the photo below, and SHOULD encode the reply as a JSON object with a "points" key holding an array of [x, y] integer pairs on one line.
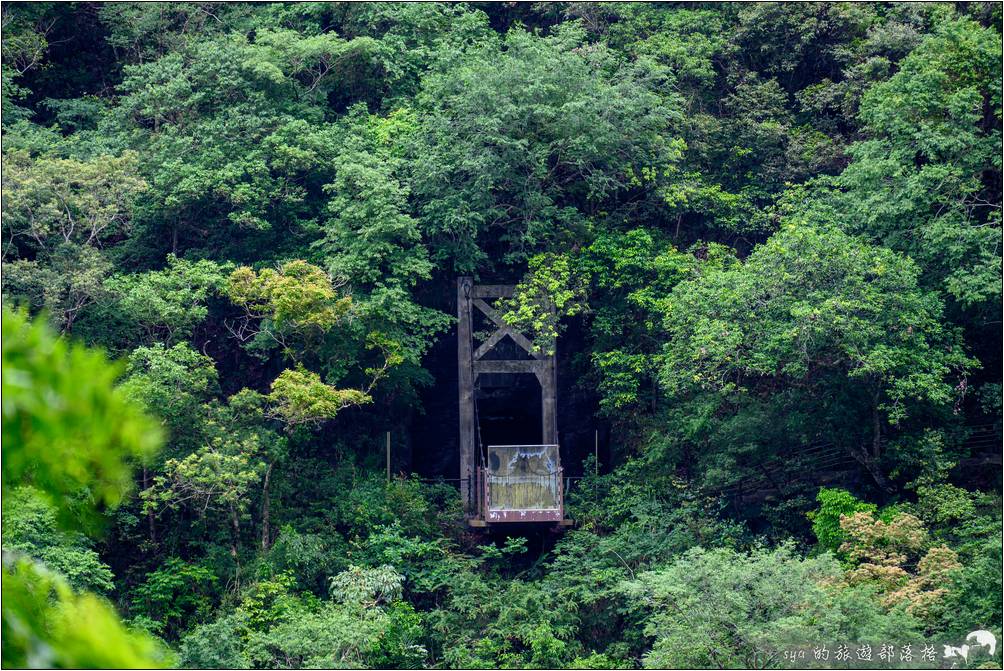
{"points": [[230, 239]]}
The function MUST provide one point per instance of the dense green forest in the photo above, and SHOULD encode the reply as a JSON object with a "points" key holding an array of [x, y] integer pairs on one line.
{"points": [[765, 240]]}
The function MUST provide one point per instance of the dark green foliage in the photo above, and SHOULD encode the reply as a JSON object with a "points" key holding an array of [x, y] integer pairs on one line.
{"points": [[763, 239], [927, 175], [30, 528], [172, 596], [525, 140], [823, 320]]}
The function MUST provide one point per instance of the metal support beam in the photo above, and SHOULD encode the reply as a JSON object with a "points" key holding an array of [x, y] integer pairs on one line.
{"points": [[548, 400], [505, 329], [509, 366], [468, 457], [471, 363], [493, 291]]}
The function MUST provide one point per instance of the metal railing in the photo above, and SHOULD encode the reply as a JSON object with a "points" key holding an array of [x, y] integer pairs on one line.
{"points": [[521, 479], [524, 492]]}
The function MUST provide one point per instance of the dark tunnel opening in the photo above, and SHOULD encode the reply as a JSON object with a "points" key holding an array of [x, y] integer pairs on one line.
{"points": [[508, 409]]}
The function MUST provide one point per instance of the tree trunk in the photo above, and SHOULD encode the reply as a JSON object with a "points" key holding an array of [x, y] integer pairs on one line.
{"points": [[265, 533], [149, 513], [876, 430], [869, 456], [863, 457], [235, 546]]}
